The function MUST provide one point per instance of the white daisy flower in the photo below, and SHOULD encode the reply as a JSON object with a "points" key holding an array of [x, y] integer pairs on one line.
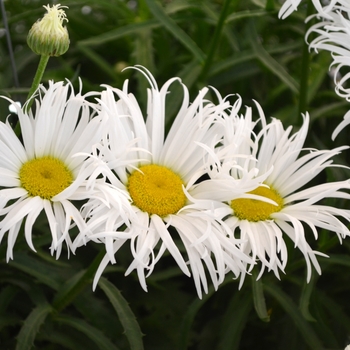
{"points": [[160, 174], [289, 6], [262, 226], [43, 172], [333, 34]]}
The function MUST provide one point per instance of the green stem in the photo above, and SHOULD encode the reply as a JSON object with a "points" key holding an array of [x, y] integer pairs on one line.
{"points": [[36, 81], [305, 66], [216, 38]]}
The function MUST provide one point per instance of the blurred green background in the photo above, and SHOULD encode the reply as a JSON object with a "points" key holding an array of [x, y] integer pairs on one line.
{"points": [[238, 47]]}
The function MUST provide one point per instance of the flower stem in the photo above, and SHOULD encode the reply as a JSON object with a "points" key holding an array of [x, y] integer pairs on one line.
{"points": [[36, 81]]}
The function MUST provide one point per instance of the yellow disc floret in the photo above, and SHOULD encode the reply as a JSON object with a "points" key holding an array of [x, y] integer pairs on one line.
{"points": [[45, 177], [155, 189], [257, 210]]}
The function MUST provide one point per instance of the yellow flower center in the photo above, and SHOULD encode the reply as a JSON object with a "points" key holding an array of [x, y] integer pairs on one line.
{"points": [[256, 210], [45, 177], [155, 189]]}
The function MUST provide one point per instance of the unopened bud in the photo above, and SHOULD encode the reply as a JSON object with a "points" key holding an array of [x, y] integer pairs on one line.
{"points": [[47, 35]]}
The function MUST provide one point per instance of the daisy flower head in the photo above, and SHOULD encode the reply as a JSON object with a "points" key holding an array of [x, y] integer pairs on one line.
{"points": [[41, 171], [333, 34], [160, 177], [233, 159], [285, 168]]}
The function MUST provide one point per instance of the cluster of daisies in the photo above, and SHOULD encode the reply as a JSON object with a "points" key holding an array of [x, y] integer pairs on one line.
{"points": [[221, 191]]}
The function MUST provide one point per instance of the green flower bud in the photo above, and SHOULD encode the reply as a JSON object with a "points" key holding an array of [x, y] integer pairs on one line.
{"points": [[47, 36]]}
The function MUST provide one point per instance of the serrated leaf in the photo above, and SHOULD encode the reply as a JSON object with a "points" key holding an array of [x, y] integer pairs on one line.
{"points": [[31, 326], [102, 342], [125, 314]]}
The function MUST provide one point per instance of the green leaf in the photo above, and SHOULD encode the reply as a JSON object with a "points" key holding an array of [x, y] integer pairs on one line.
{"points": [[294, 313], [188, 319], [318, 72], [126, 316], [215, 40], [306, 296], [175, 30], [62, 339], [95, 309], [102, 342], [335, 309], [120, 32], [74, 286], [7, 294], [269, 62], [235, 320], [51, 259], [31, 326], [8, 297], [45, 273], [329, 110], [248, 55], [98, 60], [325, 323], [69, 290], [336, 259], [259, 298], [245, 14]]}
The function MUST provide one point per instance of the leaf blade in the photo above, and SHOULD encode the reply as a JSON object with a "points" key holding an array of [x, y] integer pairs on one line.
{"points": [[292, 310], [126, 316], [91, 332], [31, 326], [175, 30]]}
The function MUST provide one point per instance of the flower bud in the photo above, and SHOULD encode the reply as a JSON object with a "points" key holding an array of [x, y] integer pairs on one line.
{"points": [[47, 36]]}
